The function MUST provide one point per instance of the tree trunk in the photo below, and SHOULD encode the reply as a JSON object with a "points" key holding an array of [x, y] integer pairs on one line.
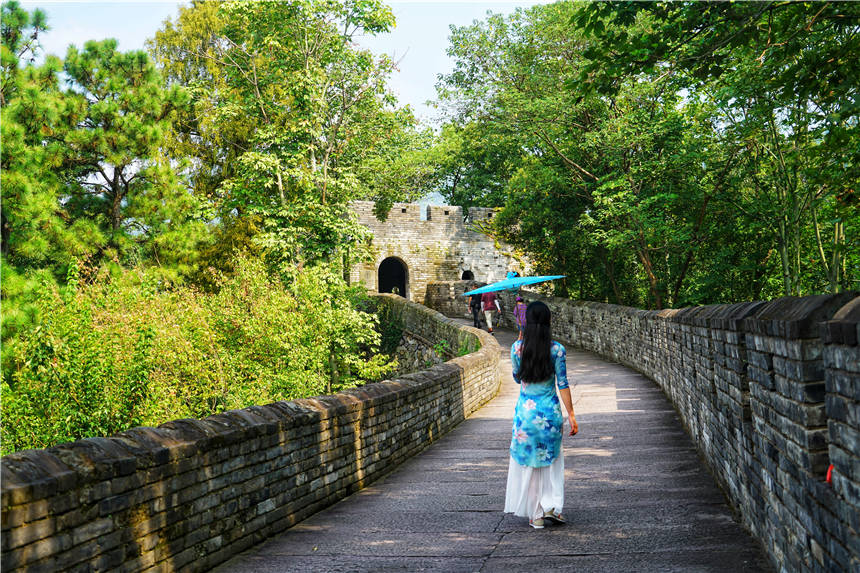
{"points": [[833, 268], [116, 212], [118, 193], [838, 259], [610, 273], [783, 258], [653, 283], [281, 189], [333, 376]]}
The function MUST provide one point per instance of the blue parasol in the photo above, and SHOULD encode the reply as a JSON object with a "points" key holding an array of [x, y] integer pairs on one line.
{"points": [[512, 284]]}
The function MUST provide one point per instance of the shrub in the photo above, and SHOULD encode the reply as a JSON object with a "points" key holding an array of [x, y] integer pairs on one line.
{"points": [[122, 349]]}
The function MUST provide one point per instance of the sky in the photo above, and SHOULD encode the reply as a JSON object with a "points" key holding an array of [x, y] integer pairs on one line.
{"points": [[418, 41]]}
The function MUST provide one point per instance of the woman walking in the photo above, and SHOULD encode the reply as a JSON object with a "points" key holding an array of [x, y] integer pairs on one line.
{"points": [[536, 471], [520, 316]]}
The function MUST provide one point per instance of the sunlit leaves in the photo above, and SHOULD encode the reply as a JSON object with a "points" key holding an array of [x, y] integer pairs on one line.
{"points": [[120, 351], [294, 115], [699, 139]]}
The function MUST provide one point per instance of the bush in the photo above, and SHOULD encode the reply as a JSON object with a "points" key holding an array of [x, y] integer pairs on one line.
{"points": [[123, 350]]}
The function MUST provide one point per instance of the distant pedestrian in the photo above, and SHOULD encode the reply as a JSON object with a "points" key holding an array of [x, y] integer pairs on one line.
{"points": [[536, 470], [489, 304], [475, 307], [520, 315]]}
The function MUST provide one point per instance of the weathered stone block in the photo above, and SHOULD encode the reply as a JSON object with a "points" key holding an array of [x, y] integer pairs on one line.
{"points": [[843, 409], [845, 358], [809, 392], [761, 360], [762, 377], [29, 532], [33, 552], [846, 488], [844, 383], [801, 371], [92, 529]]}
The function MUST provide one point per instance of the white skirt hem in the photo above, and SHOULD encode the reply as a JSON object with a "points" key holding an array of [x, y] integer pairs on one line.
{"points": [[532, 491]]}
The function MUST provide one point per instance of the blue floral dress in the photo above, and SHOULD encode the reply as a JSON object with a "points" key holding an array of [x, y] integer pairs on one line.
{"points": [[538, 423]]}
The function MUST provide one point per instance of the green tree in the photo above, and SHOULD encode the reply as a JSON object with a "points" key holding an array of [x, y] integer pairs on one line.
{"points": [[703, 156], [398, 164], [19, 39], [117, 113], [586, 180], [302, 111], [474, 161], [83, 169], [211, 131], [655, 193], [779, 73], [34, 230], [518, 131]]}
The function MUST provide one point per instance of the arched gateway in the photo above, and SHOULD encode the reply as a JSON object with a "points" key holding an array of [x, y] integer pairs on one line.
{"points": [[393, 276]]}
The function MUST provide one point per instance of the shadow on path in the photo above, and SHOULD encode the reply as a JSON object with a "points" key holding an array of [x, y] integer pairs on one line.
{"points": [[637, 497]]}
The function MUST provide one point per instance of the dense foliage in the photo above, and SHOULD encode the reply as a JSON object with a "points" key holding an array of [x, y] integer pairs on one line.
{"points": [[665, 154], [111, 352], [175, 228], [289, 119], [83, 175]]}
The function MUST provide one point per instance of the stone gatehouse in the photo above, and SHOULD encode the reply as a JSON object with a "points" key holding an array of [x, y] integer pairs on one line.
{"points": [[409, 251]]}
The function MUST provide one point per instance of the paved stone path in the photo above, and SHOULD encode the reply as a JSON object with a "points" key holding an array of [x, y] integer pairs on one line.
{"points": [[637, 498]]}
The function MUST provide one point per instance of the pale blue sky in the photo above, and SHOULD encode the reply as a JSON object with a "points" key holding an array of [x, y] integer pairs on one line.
{"points": [[419, 39]]}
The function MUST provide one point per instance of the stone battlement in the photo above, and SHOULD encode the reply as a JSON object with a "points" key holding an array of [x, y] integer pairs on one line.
{"points": [[409, 252], [434, 214]]}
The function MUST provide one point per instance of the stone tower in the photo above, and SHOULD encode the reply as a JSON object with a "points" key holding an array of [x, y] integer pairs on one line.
{"points": [[409, 252]]}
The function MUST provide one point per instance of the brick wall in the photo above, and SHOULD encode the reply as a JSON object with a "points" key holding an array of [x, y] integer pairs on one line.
{"points": [[191, 493], [769, 391]]}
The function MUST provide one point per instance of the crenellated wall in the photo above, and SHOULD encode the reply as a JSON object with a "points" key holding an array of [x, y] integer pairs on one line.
{"points": [[192, 493], [769, 391], [440, 247]]}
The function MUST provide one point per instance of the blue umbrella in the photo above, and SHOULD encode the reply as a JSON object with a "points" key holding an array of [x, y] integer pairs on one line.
{"points": [[512, 284]]}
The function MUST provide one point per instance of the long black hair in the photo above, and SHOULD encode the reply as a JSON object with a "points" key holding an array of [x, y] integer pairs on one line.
{"points": [[536, 364]]}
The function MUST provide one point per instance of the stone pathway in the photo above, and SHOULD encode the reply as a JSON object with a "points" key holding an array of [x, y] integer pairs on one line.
{"points": [[637, 498]]}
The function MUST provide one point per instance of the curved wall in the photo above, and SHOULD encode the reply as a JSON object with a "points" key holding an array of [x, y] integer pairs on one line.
{"points": [[192, 493], [769, 391]]}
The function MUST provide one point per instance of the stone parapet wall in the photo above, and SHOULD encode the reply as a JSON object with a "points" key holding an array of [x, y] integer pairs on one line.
{"points": [[769, 391], [192, 493], [414, 354], [447, 297]]}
